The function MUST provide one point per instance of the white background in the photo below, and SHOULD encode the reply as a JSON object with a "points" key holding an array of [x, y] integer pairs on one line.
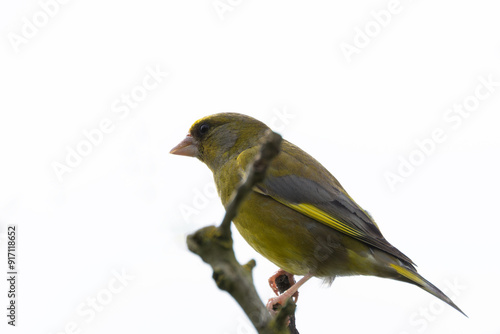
{"points": [[120, 209]]}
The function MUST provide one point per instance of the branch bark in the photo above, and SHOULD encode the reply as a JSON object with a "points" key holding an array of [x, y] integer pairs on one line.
{"points": [[215, 246]]}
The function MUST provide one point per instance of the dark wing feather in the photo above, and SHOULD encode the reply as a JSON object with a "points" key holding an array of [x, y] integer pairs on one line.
{"points": [[298, 181]]}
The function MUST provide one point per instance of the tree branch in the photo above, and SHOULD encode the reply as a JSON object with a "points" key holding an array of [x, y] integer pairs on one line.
{"points": [[257, 173], [215, 246]]}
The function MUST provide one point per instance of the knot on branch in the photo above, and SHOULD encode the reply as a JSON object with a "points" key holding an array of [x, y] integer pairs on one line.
{"points": [[249, 266], [208, 242]]}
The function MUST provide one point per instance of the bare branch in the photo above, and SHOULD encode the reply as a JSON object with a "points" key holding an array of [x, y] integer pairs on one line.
{"points": [[257, 172], [215, 246]]}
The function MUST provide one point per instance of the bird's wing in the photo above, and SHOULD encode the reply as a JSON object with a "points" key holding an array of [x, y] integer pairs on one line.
{"points": [[297, 180]]}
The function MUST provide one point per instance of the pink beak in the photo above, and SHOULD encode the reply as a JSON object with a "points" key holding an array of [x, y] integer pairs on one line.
{"points": [[187, 147]]}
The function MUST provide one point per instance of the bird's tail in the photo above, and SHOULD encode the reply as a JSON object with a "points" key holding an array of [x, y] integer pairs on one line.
{"points": [[413, 277]]}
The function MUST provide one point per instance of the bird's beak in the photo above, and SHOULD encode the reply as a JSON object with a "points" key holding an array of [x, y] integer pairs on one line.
{"points": [[187, 147]]}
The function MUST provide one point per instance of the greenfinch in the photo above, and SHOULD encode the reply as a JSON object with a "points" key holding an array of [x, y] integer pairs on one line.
{"points": [[299, 217]]}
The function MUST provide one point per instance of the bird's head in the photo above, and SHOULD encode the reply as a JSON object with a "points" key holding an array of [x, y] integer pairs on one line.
{"points": [[216, 138]]}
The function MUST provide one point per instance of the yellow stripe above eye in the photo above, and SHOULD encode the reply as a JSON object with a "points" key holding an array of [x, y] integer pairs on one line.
{"points": [[323, 217]]}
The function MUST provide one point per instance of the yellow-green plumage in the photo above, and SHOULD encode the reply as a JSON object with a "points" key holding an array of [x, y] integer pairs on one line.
{"points": [[300, 217]]}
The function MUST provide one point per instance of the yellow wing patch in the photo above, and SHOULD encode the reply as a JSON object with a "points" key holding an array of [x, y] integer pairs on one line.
{"points": [[409, 274], [323, 217]]}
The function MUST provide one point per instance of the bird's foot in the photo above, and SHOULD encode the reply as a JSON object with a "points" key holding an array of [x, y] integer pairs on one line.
{"points": [[279, 278], [273, 303]]}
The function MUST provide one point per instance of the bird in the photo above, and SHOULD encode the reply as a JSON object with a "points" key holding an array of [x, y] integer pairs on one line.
{"points": [[300, 217]]}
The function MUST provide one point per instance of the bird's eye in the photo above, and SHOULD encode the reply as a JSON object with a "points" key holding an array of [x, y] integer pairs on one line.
{"points": [[204, 129]]}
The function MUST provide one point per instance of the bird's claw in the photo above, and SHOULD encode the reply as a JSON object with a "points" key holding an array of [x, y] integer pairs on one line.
{"points": [[275, 304], [274, 286]]}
